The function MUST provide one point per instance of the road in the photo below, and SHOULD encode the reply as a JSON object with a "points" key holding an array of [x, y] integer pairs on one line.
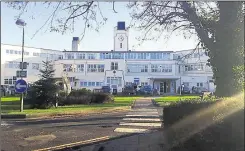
{"points": [[29, 134]]}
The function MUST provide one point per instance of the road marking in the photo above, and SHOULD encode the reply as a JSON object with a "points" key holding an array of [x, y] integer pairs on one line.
{"points": [[130, 130], [3, 123], [74, 144], [141, 124], [141, 119], [143, 115]]}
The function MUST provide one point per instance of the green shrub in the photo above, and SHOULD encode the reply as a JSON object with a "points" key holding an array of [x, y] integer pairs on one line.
{"points": [[84, 96]]}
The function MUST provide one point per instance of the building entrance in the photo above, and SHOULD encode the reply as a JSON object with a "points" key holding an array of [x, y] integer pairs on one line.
{"points": [[165, 86]]}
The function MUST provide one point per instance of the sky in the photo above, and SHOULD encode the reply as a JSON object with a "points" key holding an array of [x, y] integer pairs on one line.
{"points": [[92, 41]]}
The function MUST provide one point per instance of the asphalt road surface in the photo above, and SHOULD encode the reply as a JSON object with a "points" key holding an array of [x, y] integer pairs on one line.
{"points": [[30, 134]]}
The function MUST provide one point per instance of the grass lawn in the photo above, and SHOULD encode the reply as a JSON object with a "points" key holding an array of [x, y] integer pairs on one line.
{"points": [[168, 99], [121, 103]]}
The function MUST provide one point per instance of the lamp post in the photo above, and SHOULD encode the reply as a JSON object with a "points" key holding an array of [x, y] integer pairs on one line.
{"points": [[21, 23]]}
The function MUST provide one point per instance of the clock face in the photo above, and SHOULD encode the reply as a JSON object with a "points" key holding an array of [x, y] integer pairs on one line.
{"points": [[121, 38]]}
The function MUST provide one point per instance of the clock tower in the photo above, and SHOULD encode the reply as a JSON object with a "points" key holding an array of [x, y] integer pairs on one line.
{"points": [[120, 37]]}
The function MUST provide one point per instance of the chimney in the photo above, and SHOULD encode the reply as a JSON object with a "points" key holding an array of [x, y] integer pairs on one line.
{"points": [[75, 43], [121, 25]]}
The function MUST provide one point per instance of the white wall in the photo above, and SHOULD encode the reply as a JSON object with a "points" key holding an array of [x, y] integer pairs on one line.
{"points": [[192, 77]]}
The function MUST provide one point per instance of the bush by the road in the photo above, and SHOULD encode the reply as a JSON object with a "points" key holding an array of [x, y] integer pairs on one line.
{"points": [[84, 96], [205, 126]]}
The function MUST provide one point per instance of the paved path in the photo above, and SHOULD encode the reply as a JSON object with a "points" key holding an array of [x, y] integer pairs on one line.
{"points": [[143, 118]]}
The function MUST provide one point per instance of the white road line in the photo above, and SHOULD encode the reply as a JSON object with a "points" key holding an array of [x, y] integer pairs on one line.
{"points": [[130, 130], [141, 124], [142, 119], [5, 123], [143, 115]]}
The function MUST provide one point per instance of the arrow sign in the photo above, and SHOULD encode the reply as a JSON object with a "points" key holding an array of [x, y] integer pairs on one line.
{"points": [[20, 86]]}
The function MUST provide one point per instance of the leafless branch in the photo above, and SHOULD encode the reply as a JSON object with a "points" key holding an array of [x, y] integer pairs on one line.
{"points": [[47, 20]]}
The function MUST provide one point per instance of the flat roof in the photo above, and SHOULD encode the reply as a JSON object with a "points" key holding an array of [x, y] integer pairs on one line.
{"points": [[120, 51]]}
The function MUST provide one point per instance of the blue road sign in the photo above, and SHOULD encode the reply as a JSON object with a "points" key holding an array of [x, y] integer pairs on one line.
{"points": [[20, 86]]}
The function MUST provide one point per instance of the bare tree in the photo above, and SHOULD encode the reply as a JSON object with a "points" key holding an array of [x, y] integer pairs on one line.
{"points": [[210, 21]]}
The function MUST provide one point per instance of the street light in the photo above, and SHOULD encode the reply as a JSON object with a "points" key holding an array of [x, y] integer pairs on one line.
{"points": [[21, 23]]}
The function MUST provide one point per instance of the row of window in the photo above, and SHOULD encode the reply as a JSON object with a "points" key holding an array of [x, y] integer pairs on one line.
{"points": [[90, 84], [199, 84], [116, 55], [16, 65], [141, 84], [137, 68], [10, 80], [132, 68], [43, 55], [194, 67], [191, 55], [17, 52], [114, 81]]}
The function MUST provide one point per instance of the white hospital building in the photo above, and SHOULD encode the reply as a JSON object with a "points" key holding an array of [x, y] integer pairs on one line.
{"points": [[163, 70]]}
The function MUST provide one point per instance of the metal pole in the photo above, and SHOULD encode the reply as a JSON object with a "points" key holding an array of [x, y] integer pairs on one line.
{"points": [[180, 88], [22, 68]]}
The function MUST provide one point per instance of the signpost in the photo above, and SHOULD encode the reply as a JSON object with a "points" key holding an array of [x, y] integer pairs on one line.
{"points": [[21, 87]]}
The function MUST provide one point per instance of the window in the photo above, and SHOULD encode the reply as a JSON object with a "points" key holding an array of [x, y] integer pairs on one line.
{"points": [[80, 56], [96, 68], [200, 84], [98, 84], [43, 55], [80, 67], [114, 65], [144, 83], [35, 66], [13, 64], [137, 68], [10, 81], [155, 68], [35, 54], [7, 51], [161, 68], [194, 67], [91, 56], [26, 53], [16, 52], [69, 55], [6, 81], [114, 81], [60, 57], [120, 45], [128, 83], [67, 67]]}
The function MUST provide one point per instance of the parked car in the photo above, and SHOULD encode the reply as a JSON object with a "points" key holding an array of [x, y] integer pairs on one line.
{"points": [[185, 90], [106, 89]]}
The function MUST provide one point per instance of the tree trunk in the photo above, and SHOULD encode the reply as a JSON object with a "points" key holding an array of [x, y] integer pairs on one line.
{"points": [[227, 53]]}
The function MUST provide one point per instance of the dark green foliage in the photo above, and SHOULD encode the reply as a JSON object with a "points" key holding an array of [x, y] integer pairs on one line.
{"points": [[84, 96], [223, 135], [42, 93]]}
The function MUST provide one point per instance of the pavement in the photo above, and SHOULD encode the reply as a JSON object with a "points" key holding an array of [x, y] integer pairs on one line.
{"points": [[33, 134]]}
